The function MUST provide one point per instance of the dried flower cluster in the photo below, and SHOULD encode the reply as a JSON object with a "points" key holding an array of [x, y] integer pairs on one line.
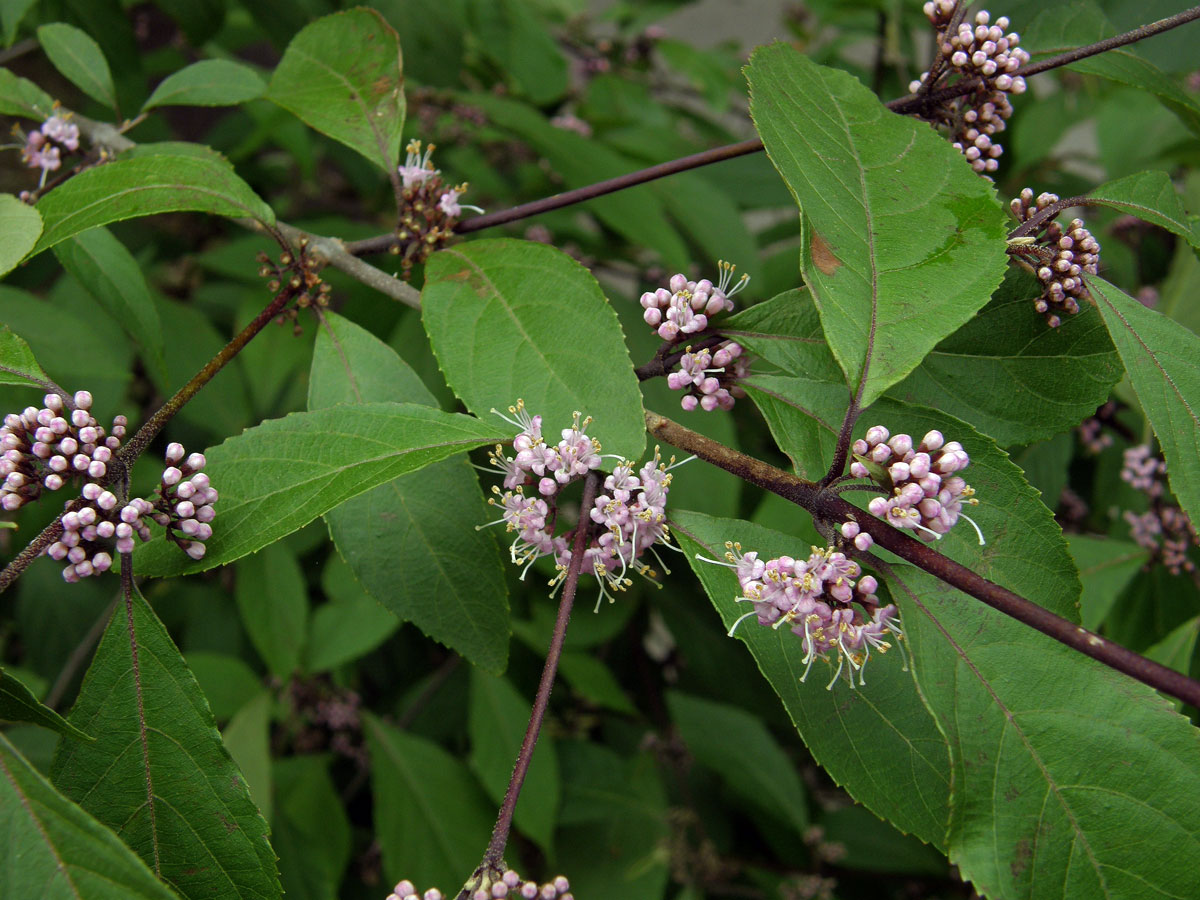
{"points": [[708, 376], [301, 273], [1165, 529], [985, 51], [825, 600], [926, 494], [1060, 257], [628, 518], [429, 211]]}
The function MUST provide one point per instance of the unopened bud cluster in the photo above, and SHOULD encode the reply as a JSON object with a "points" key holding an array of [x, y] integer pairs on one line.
{"points": [[628, 517], [43, 449], [1165, 529], [45, 146], [925, 493], [509, 885], [986, 51], [1059, 257], [429, 211], [102, 525], [709, 376], [824, 599]]}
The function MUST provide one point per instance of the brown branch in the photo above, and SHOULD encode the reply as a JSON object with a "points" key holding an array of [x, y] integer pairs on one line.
{"points": [[828, 506]]}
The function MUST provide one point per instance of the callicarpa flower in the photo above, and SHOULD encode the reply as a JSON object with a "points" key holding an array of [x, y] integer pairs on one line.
{"points": [[926, 494], [510, 884], [430, 208], [1060, 258], [628, 517], [1165, 529], [184, 505], [44, 146], [825, 600]]}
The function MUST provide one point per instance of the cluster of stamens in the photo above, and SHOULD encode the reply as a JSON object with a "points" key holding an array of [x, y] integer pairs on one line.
{"points": [[1165, 529], [509, 884], [1059, 257], [926, 495], [45, 146], [985, 52], [709, 376], [429, 211], [824, 599], [628, 517], [43, 449]]}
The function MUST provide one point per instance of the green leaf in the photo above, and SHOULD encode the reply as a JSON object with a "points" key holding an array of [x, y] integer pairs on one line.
{"points": [[113, 277], [350, 625], [143, 186], [21, 97], [1152, 198], [210, 82], [56, 851], [342, 75], [594, 681], [431, 818], [227, 681], [753, 765], [80, 60], [17, 365], [1105, 566], [17, 704], [1163, 361], [21, 225], [11, 14], [273, 601], [496, 721], [1051, 749], [1019, 380], [247, 738], [282, 474], [157, 772], [406, 540], [510, 34], [848, 732], [311, 833], [1177, 649], [901, 241], [513, 320]]}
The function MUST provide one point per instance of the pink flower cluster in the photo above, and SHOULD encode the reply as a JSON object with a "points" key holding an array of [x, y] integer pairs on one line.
{"points": [[1165, 529], [628, 518], [816, 597], [1059, 257], [709, 376], [981, 51], [926, 494], [510, 884], [44, 448], [44, 146]]}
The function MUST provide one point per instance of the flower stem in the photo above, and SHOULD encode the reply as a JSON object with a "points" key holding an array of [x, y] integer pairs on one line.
{"points": [[495, 850]]}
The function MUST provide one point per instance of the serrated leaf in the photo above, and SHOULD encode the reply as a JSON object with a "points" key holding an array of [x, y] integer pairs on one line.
{"points": [[17, 364], [1163, 361], [272, 599], [847, 731], [1050, 750], [282, 474], [1019, 380], [21, 225], [901, 241], [513, 320], [21, 97], [342, 75], [753, 764], [81, 61], [210, 82], [1105, 567], [113, 277], [56, 851], [431, 818], [497, 716], [17, 704], [157, 772], [1152, 198], [144, 186], [406, 540]]}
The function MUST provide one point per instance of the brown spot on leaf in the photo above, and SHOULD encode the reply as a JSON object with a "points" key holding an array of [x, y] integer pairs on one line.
{"points": [[1021, 856], [822, 255]]}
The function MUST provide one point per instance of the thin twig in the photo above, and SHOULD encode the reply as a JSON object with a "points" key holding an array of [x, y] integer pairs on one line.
{"points": [[826, 505]]}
